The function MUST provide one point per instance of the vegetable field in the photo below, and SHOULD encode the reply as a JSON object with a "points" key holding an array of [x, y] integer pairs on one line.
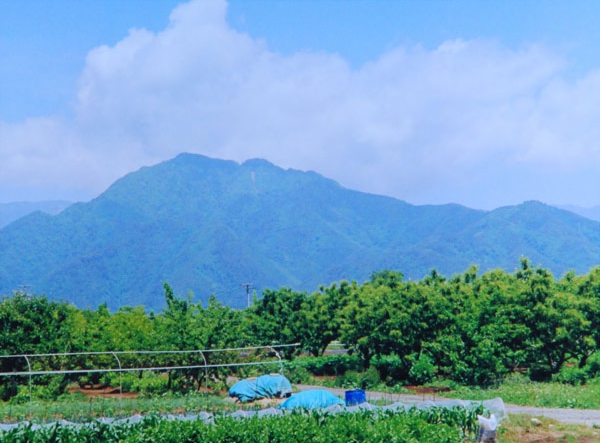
{"points": [[413, 426]]}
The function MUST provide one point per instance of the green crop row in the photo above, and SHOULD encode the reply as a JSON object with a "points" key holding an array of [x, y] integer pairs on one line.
{"points": [[432, 425], [79, 408]]}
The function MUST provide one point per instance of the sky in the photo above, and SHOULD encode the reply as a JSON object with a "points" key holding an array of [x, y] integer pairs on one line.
{"points": [[484, 104]]}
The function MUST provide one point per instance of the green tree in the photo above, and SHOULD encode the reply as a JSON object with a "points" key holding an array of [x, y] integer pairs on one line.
{"points": [[588, 288], [32, 324], [278, 318], [320, 318]]}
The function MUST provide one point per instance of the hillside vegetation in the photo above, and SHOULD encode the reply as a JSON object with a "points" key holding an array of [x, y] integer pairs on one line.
{"points": [[10, 212], [471, 329], [208, 226]]}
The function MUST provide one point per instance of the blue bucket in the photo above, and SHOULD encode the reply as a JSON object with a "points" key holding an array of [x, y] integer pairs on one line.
{"points": [[355, 397]]}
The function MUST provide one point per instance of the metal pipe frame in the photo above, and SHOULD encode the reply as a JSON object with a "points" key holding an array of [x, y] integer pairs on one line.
{"points": [[120, 369]]}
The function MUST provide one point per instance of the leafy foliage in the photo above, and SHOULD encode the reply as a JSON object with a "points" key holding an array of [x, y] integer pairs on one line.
{"points": [[472, 329], [439, 425]]}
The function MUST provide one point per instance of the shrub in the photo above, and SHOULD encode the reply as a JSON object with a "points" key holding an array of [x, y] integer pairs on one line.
{"points": [[391, 367], [541, 373], [572, 375], [592, 368], [22, 395], [370, 379], [113, 379], [350, 380], [8, 389], [150, 383], [327, 365], [422, 370], [297, 374]]}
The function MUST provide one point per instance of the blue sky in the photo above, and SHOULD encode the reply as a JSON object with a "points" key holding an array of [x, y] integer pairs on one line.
{"points": [[480, 103]]}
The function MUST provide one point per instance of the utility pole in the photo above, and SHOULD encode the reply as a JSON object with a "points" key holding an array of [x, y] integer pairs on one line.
{"points": [[247, 286]]}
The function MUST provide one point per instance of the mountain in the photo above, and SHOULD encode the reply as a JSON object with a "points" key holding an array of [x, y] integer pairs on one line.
{"points": [[10, 212], [208, 226], [592, 213]]}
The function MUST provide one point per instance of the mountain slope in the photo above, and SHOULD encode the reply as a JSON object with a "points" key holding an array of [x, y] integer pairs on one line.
{"points": [[552, 238], [592, 213], [10, 212], [209, 225]]}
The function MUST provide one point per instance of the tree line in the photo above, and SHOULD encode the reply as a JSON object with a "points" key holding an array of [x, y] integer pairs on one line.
{"points": [[471, 328]]}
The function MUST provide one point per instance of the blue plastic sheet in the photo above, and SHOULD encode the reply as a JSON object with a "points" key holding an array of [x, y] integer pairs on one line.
{"points": [[265, 386], [315, 398]]}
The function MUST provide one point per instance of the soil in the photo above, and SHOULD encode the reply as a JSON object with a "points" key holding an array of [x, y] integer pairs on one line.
{"points": [[525, 435], [555, 437], [428, 390], [101, 391]]}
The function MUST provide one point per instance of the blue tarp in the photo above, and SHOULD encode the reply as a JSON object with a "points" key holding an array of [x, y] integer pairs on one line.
{"points": [[315, 398], [265, 386]]}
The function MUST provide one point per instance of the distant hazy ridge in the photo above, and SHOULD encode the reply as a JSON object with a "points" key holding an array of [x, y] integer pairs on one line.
{"points": [[9, 212]]}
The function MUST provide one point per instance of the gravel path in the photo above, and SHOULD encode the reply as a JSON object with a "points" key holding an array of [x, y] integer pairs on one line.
{"points": [[587, 417]]}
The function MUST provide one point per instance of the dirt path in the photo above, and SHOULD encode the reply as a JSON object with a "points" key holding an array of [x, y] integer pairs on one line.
{"points": [[587, 417]]}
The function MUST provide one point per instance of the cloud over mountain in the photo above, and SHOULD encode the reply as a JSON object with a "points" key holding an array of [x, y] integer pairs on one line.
{"points": [[470, 121]]}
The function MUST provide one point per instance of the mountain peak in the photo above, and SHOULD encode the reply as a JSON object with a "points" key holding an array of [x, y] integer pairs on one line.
{"points": [[258, 163], [206, 225]]}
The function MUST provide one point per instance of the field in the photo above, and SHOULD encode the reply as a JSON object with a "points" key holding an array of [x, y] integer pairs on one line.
{"points": [[190, 352], [520, 429], [79, 407], [433, 425]]}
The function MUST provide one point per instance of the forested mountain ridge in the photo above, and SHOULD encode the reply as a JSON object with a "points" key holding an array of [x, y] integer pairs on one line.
{"points": [[10, 212], [591, 213], [209, 225]]}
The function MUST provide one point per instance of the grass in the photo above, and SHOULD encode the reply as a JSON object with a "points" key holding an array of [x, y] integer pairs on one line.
{"points": [[520, 391], [520, 429]]}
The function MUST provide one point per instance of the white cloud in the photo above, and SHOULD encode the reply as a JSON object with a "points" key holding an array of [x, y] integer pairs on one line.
{"points": [[452, 124]]}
